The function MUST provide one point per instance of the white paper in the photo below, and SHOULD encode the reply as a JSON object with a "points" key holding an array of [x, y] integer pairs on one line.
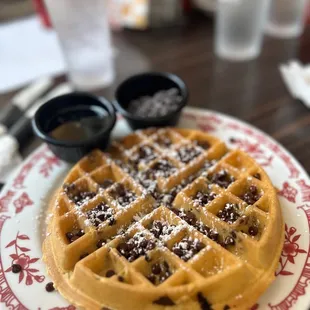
{"points": [[27, 52], [9, 156], [297, 80]]}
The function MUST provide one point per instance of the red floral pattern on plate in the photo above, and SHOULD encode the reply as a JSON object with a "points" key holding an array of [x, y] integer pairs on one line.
{"points": [[305, 190], [49, 164], [268, 143], [7, 296], [5, 200], [254, 149], [21, 202], [19, 257], [290, 250], [205, 122], [288, 192]]}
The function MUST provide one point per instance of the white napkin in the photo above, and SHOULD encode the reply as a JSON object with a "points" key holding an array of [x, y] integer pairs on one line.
{"points": [[9, 157], [297, 80], [27, 52]]}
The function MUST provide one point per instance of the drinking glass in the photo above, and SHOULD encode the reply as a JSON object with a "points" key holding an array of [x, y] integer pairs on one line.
{"points": [[239, 28], [286, 18], [84, 35]]}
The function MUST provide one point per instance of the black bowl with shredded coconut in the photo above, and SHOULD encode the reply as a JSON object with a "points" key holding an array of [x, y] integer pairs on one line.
{"points": [[153, 99]]}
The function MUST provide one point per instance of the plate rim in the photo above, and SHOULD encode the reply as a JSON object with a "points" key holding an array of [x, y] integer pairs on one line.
{"points": [[190, 110]]}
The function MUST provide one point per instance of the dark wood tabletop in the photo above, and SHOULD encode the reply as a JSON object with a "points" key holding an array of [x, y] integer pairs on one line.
{"points": [[252, 91]]}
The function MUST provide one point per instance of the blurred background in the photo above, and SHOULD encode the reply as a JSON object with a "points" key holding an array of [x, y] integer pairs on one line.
{"points": [[229, 53]]}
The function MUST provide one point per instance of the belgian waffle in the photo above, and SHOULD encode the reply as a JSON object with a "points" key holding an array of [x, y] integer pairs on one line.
{"points": [[166, 219]]}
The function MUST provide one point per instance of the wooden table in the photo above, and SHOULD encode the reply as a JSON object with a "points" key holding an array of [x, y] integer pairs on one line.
{"points": [[252, 91]]}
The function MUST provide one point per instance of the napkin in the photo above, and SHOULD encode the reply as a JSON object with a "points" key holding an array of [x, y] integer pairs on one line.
{"points": [[28, 51], [297, 80]]}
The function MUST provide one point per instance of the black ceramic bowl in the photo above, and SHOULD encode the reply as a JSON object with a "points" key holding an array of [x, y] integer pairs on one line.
{"points": [[147, 84], [75, 107]]}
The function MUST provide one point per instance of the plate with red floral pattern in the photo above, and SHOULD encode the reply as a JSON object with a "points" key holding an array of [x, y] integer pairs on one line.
{"points": [[23, 203]]}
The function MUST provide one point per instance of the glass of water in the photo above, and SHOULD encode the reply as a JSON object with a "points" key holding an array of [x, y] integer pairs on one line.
{"points": [[286, 18], [239, 28], [84, 35]]}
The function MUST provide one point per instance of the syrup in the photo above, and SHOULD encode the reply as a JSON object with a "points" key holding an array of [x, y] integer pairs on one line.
{"points": [[78, 123]]}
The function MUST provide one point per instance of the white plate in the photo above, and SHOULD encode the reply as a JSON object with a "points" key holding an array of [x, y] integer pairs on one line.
{"points": [[24, 198]]}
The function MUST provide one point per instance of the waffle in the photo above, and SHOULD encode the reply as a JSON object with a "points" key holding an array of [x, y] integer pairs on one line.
{"points": [[166, 219]]}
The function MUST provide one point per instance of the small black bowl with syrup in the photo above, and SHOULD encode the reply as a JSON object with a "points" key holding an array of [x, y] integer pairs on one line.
{"points": [[74, 124], [151, 99]]}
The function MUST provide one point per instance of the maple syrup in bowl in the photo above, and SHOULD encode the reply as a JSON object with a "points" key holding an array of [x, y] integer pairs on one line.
{"points": [[74, 124]]}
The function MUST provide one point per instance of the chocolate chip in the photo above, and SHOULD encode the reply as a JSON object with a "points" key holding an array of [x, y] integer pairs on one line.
{"points": [[151, 245], [187, 248], [81, 197], [121, 279], [74, 238], [135, 247], [166, 266], [100, 243], [203, 198], [257, 176], [68, 187], [49, 287], [105, 308], [213, 235], [253, 231], [160, 272], [151, 278], [147, 258], [106, 183], [159, 229], [16, 268], [229, 241], [203, 302], [163, 168], [83, 255], [187, 153], [69, 235], [80, 233], [232, 140], [110, 273], [253, 189], [230, 213], [203, 144], [190, 217], [163, 141], [74, 235], [175, 211], [164, 301], [251, 196], [178, 252], [144, 154], [221, 178], [123, 195], [112, 221], [226, 307], [156, 269], [99, 214]]}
